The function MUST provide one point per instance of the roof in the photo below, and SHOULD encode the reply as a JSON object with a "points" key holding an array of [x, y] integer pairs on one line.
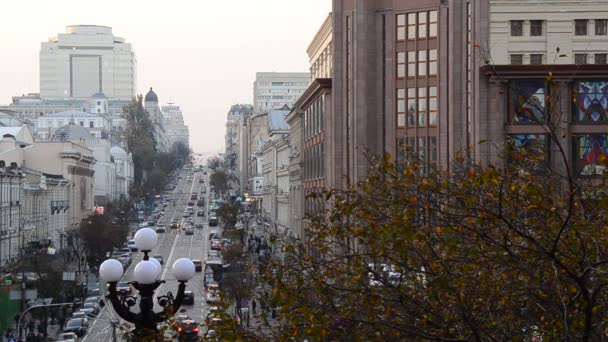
{"points": [[276, 120], [99, 96], [70, 113], [116, 150], [72, 132], [14, 131], [151, 96]]}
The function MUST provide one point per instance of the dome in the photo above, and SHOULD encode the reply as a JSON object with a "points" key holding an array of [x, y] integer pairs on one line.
{"points": [[99, 96], [151, 96], [72, 132]]}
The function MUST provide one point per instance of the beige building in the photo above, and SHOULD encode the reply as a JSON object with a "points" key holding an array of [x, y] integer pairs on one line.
{"points": [[273, 90]]}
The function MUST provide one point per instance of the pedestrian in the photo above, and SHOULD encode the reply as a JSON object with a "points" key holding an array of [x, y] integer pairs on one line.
{"points": [[253, 305]]}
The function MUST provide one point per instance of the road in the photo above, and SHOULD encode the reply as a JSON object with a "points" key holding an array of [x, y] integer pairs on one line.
{"points": [[172, 245]]}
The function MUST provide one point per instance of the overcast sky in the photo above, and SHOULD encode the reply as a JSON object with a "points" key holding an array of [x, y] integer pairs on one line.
{"points": [[199, 54]]}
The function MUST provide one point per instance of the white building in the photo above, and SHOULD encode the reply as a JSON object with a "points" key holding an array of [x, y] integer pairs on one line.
{"points": [[273, 90], [124, 172], [85, 60], [97, 124], [175, 128], [234, 123], [548, 32], [158, 120]]}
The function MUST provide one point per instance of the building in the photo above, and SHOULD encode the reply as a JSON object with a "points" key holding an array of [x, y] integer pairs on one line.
{"points": [[176, 130], [11, 180], [275, 173], [273, 90], [98, 125], [124, 172], [85, 60], [256, 134], [236, 115], [158, 121]]}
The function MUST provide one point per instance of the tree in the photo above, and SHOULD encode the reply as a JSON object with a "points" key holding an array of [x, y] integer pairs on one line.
{"points": [[140, 138], [219, 182], [480, 252], [101, 233]]}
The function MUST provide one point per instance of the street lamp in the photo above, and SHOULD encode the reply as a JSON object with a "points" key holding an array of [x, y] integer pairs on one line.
{"points": [[147, 276]]}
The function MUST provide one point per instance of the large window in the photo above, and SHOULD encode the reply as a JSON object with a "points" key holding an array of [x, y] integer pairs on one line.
{"points": [[536, 28], [580, 27], [433, 24], [600, 58], [589, 151], [536, 58], [422, 63], [433, 62], [411, 26], [421, 107], [411, 107], [580, 58], [517, 59], [517, 28], [601, 27], [422, 22], [432, 106], [400, 64], [411, 64], [591, 102], [534, 146], [401, 27], [400, 107], [528, 101]]}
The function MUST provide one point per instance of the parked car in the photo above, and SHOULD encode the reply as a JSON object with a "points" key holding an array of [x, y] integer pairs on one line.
{"points": [[90, 309], [198, 225], [174, 225], [213, 296], [132, 246], [95, 300], [187, 330], [159, 258], [76, 326], [160, 229], [189, 231], [188, 298], [67, 337], [216, 244], [198, 265], [83, 316], [200, 213]]}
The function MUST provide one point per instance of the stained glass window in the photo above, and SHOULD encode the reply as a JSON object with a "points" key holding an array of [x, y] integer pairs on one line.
{"points": [[534, 143], [592, 101], [528, 101], [591, 154]]}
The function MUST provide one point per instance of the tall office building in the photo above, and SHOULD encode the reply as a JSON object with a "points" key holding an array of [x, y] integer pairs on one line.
{"points": [[273, 90], [85, 60]]}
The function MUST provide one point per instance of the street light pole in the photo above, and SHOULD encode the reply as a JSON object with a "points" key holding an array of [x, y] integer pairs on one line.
{"points": [[31, 308]]}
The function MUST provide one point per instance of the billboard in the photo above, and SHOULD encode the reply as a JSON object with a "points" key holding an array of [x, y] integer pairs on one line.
{"points": [[258, 185]]}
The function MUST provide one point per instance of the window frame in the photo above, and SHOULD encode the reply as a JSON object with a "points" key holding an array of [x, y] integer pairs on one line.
{"points": [[516, 55], [512, 28], [578, 22], [533, 32], [581, 55], [604, 26], [535, 55]]}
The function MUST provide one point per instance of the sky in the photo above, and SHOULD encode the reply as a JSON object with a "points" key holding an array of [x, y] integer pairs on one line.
{"points": [[199, 54]]}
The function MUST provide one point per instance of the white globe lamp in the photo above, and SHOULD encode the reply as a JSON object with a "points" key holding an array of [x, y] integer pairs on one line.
{"points": [[145, 239], [183, 269], [111, 270], [145, 272], [158, 266]]}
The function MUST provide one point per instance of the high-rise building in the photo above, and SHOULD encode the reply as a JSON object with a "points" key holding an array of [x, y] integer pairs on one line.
{"points": [[176, 130], [273, 90], [85, 60]]}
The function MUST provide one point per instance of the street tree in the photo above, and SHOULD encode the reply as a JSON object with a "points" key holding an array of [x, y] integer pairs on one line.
{"points": [[140, 138], [219, 182]]}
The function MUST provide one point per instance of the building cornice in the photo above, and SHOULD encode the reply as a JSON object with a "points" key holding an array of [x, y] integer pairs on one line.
{"points": [[324, 32], [558, 71]]}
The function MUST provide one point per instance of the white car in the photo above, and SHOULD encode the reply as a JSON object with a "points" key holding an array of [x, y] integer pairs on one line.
{"points": [[67, 337], [132, 246]]}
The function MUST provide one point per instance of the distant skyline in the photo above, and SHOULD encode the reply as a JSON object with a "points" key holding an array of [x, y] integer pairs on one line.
{"points": [[201, 56]]}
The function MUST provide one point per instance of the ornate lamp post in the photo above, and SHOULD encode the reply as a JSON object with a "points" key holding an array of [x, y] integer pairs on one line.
{"points": [[147, 276]]}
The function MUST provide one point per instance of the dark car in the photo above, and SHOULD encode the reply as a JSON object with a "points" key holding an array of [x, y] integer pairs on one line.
{"points": [[76, 326], [174, 225], [198, 265], [200, 213], [188, 298], [212, 221], [123, 288], [159, 258], [160, 229], [187, 330]]}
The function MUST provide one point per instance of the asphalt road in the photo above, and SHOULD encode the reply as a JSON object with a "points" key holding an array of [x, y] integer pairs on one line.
{"points": [[172, 245]]}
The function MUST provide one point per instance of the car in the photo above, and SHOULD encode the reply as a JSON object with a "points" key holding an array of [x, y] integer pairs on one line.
{"points": [[160, 229], [67, 337], [124, 288], [190, 203], [198, 225], [216, 244], [159, 258], [187, 328], [212, 221], [95, 292], [186, 213], [174, 225], [189, 231], [200, 213], [213, 254], [198, 265], [188, 298], [90, 309], [83, 316], [95, 300], [132, 246], [203, 190], [76, 326], [213, 296]]}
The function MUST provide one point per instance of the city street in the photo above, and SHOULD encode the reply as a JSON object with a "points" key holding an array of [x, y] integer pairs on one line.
{"points": [[172, 245]]}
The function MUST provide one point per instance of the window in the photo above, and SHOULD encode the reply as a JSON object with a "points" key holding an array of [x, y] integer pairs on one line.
{"points": [[580, 27], [536, 28], [422, 148], [433, 151], [589, 151], [422, 63], [422, 24], [411, 107], [536, 58], [580, 58], [517, 59], [421, 107], [411, 64], [82, 123], [601, 27], [600, 58], [433, 24], [591, 102], [401, 27], [400, 107], [400, 64], [432, 106], [91, 124], [528, 101], [411, 26], [517, 28], [535, 146], [433, 62]]}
